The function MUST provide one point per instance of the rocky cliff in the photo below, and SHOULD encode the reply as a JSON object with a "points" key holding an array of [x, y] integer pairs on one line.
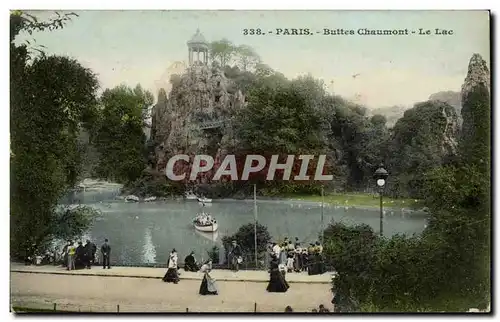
{"points": [[196, 115], [476, 111], [452, 98], [477, 75]]}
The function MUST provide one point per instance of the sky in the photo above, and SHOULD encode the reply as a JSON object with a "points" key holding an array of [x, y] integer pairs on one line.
{"points": [[131, 47]]}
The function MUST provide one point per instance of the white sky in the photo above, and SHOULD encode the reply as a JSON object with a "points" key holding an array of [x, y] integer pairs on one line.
{"points": [[139, 47]]}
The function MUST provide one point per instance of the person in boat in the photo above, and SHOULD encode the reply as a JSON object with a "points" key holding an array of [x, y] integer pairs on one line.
{"points": [[208, 286], [190, 263], [172, 275], [235, 256], [277, 282]]}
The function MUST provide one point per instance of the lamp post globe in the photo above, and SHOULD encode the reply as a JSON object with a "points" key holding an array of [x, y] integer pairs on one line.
{"points": [[380, 176]]}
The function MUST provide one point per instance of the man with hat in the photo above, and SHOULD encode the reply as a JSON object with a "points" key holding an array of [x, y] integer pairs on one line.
{"points": [[234, 257]]}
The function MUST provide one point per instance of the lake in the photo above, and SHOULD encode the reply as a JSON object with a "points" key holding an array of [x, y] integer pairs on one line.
{"points": [[145, 233]]}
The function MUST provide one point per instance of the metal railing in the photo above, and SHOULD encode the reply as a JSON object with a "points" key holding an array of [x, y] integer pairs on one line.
{"points": [[211, 124], [20, 307]]}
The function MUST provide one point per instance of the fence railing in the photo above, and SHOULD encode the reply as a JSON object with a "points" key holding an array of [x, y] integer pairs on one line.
{"points": [[25, 307]]}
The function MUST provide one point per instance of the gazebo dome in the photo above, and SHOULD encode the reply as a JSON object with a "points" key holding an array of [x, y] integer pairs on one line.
{"points": [[198, 41]]}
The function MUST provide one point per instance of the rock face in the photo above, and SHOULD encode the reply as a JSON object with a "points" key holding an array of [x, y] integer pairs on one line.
{"points": [[478, 74], [196, 116], [449, 142], [450, 97], [476, 111]]}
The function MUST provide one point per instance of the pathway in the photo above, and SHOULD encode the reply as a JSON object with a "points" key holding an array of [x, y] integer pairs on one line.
{"points": [[41, 287], [148, 272]]}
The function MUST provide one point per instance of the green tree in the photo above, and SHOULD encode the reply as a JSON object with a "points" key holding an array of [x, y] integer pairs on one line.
{"points": [[222, 51], [245, 238], [351, 251], [247, 57], [421, 140], [447, 268], [120, 138], [52, 98]]}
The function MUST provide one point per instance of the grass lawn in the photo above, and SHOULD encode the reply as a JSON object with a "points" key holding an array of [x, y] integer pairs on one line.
{"points": [[361, 199]]}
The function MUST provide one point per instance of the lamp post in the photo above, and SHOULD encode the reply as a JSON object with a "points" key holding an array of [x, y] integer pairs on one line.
{"points": [[380, 176]]}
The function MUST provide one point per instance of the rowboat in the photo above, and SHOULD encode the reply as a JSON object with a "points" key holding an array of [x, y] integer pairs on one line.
{"points": [[205, 200], [132, 198], [209, 226], [212, 227]]}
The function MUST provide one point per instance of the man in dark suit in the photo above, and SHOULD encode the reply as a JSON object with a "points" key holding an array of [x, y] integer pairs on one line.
{"points": [[106, 251], [234, 256], [80, 256], [88, 254]]}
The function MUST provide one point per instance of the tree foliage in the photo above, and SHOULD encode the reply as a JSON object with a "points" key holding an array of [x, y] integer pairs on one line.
{"points": [[245, 238], [447, 268], [247, 57], [119, 138], [222, 52], [52, 98], [417, 145]]}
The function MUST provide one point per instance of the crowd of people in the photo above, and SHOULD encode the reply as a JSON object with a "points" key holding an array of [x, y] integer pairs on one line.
{"points": [[284, 258], [293, 257], [84, 256], [204, 219]]}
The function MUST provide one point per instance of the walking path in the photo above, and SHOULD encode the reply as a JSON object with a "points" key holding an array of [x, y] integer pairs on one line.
{"points": [[148, 272], [99, 290]]}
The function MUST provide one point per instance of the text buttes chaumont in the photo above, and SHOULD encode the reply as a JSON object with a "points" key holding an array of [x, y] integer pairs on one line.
{"points": [[385, 32]]}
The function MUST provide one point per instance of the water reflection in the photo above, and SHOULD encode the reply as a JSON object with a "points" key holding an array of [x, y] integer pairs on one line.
{"points": [[149, 251]]}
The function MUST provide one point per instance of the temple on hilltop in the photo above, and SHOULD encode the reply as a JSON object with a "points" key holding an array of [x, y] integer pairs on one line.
{"points": [[197, 47], [196, 115]]}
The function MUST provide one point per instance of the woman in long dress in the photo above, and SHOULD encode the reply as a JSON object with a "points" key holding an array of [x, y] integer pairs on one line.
{"points": [[283, 253], [277, 282], [207, 286], [172, 274]]}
